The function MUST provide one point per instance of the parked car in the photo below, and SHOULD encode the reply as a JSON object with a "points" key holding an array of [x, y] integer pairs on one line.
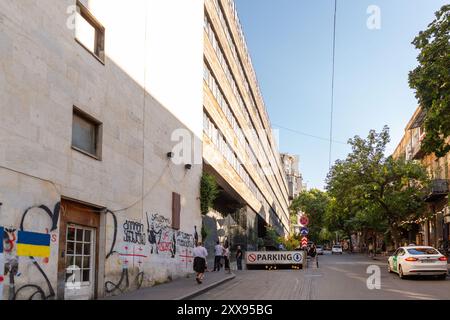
{"points": [[418, 260], [319, 250], [336, 249]]}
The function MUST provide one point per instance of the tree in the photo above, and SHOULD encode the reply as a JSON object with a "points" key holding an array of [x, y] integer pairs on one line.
{"points": [[431, 81], [271, 238], [208, 192], [314, 203], [372, 191], [290, 244]]}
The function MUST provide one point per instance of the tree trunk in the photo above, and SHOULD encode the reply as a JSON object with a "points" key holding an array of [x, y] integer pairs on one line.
{"points": [[350, 246], [395, 234]]}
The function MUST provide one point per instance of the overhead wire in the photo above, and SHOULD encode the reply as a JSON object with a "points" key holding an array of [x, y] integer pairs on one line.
{"points": [[332, 84]]}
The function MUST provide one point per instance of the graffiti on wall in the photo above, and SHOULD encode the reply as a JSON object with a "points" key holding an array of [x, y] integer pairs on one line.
{"points": [[24, 243], [133, 232], [137, 245], [2, 264]]}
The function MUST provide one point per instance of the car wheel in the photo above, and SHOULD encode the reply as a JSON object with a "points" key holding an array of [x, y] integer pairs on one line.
{"points": [[400, 273]]}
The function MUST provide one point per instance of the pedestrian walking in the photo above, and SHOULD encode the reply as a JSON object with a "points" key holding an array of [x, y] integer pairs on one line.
{"points": [[371, 250], [239, 256], [200, 253], [226, 257], [218, 254]]}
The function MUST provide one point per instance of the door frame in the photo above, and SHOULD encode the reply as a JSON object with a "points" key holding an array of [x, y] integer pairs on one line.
{"points": [[84, 215]]}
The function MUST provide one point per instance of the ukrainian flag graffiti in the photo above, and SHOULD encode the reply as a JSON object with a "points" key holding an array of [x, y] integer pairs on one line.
{"points": [[30, 244]]}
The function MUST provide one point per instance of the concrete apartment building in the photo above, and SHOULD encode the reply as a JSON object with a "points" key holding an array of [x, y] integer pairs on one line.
{"points": [[238, 145], [293, 176], [433, 230], [94, 95], [111, 113]]}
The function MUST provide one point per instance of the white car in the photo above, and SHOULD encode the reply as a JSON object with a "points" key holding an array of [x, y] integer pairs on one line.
{"points": [[418, 260], [336, 249], [319, 250]]}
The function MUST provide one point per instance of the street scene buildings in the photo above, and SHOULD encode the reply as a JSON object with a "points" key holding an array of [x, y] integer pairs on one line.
{"points": [[136, 147], [106, 130]]}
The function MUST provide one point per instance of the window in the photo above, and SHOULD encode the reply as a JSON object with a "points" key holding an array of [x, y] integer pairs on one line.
{"points": [[422, 251], [89, 32], [86, 134]]}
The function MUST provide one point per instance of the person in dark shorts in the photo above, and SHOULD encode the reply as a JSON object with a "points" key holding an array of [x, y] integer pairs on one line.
{"points": [[239, 256], [200, 253]]}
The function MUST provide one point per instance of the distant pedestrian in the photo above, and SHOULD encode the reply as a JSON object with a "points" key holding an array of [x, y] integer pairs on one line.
{"points": [[200, 253], [371, 253], [226, 257], [239, 256], [218, 255]]}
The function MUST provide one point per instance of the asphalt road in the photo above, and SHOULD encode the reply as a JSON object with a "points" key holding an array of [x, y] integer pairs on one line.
{"points": [[338, 277]]}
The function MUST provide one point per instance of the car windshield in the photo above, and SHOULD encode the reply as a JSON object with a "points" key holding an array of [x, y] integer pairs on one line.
{"points": [[422, 251], [319, 247], [337, 247]]}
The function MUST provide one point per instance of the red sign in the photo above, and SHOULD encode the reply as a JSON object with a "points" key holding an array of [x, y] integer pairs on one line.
{"points": [[304, 220], [252, 257]]}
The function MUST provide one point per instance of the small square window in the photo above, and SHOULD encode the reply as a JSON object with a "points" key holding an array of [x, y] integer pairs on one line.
{"points": [[86, 135], [89, 32]]}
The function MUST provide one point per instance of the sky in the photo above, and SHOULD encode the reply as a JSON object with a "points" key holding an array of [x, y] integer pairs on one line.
{"points": [[290, 43]]}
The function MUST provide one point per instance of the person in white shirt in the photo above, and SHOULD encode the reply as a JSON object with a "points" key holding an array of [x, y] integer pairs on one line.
{"points": [[218, 255], [200, 253]]}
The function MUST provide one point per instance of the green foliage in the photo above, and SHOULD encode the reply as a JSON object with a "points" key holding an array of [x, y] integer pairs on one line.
{"points": [[205, 233], [372, 191], [208, 192], [431, 81], [271, 238], [290, 243], [325, 235], [314, 203]]}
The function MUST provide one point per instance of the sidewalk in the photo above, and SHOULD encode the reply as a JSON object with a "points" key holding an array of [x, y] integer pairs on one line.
{"points": [[179, 289]]}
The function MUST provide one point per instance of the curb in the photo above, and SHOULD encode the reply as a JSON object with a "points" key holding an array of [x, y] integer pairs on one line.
{"points": [[206, 288]]}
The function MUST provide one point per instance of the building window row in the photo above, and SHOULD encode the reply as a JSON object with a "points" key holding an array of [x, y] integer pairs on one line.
{"points": [[211, 34], [224, 148], [217, 93], [224, 64], [222, 60]]}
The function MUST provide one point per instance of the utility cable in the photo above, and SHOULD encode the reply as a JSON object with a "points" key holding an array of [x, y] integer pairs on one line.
{"points": [[332, 83]]}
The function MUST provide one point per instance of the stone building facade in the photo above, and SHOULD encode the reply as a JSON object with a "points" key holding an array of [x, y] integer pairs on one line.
{"points": [[434, 228], [94, 95], [293, 176]]}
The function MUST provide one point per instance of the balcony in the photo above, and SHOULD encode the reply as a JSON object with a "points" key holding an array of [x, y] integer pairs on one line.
{"points": [[414, 150], [437, 190]]}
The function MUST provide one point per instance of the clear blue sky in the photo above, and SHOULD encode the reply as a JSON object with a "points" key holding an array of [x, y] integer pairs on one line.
{"points": [[290, 42]]}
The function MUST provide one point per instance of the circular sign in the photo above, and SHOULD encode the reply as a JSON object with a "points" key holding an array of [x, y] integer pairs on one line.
{"points": [[304, 220], [252, 257], [297, 257], [304, 231]]}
